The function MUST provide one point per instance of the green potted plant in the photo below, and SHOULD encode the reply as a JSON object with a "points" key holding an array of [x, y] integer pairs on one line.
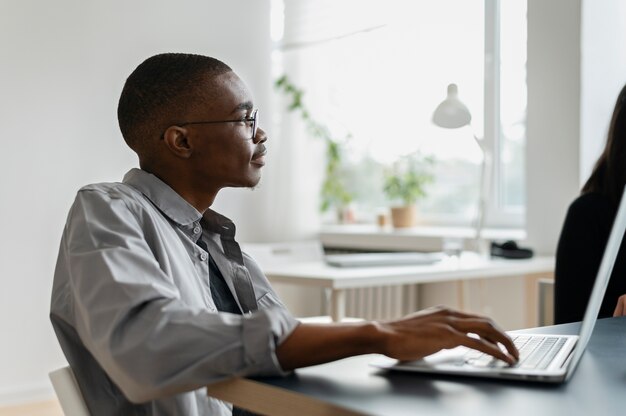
{"points": [[405, 184]]}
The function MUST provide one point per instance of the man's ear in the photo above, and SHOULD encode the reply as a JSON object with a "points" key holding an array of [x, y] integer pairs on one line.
{"points": [[175, 139]]}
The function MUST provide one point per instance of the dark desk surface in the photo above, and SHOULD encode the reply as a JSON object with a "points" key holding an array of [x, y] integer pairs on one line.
{"points": [[598, 387]]}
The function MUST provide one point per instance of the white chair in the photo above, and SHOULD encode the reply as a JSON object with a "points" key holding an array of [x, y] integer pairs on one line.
{"points": [[68, 392]]}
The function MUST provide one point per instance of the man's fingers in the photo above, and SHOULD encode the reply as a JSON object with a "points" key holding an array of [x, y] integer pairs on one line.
{"points": [[486, 347], [487, 330], [459, 324], [472, 323]]}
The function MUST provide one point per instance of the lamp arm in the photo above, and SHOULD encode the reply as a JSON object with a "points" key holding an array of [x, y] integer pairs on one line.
{"points": [[479, 141]]}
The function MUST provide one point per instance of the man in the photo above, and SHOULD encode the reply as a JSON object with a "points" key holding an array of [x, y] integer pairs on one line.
{"points": [[153, 298]]}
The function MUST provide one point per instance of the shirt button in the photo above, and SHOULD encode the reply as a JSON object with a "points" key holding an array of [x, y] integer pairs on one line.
{"points": [[196, 230], [203, 256]]}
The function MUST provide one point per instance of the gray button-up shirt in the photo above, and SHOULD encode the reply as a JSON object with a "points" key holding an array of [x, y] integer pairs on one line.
{"points": [[132, 308]]}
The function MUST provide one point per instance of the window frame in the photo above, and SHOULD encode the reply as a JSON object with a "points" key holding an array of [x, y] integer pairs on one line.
{"points": [[497, 214]]}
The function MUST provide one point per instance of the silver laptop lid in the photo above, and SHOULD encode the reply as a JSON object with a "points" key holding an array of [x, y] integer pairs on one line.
{"points": [[599, 287]]}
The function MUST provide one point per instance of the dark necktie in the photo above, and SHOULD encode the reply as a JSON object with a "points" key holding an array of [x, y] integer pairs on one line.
{"points": [[241, 277], [220, 292]]}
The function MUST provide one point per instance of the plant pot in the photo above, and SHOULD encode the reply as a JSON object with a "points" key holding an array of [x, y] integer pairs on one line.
{"points": [[403, 217], [345, 214]]}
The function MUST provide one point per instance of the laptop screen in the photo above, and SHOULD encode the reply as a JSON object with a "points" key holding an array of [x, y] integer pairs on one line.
{"points": [[600, 285]]}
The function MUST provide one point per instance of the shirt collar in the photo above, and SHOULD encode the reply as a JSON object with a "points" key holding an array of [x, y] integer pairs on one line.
{"points": [[162, 196], [217, 223]]}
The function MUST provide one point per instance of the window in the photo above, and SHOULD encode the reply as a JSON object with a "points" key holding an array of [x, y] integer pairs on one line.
{"points": [[377, 76]]}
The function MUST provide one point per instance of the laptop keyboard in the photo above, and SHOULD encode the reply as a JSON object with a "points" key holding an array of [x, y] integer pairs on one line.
{"points": [[536, 352]]}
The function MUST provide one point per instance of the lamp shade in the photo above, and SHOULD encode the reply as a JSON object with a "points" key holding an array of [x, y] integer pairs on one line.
{"points": [[452, 113]]}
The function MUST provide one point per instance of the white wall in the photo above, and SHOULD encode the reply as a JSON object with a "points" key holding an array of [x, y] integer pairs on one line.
{"points": [[576, 68], [603, 72], [62, 67], [553, 127]]}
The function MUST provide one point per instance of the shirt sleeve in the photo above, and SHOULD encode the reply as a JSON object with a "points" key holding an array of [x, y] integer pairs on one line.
{"points": [[130, 316]]}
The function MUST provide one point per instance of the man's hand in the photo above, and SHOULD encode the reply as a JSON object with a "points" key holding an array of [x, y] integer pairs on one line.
{"points": [[620, 309], [428, 331], [412, 337]]}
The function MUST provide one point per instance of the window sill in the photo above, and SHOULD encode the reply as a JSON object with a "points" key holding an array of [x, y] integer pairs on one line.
{"points": [[420, 238]]}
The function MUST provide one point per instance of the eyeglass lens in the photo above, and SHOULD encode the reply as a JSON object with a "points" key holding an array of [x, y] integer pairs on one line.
{"points": [[255, 123]]}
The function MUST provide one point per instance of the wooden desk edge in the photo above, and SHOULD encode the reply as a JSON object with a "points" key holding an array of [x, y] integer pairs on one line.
{"points": [[266, 399]]}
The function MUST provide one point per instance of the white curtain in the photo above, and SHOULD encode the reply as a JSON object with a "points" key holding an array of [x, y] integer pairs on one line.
{"points": [[288, 199]]}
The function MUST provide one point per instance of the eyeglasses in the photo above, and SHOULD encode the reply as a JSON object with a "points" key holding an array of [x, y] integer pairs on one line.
{"points": [[252, 121]]}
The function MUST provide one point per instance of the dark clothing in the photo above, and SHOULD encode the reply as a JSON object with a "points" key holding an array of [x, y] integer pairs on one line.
{"points": [[221, 294], [581, 246]]}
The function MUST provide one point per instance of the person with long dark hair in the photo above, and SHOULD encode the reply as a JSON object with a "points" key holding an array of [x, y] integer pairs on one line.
{"points": [[586, 231]]}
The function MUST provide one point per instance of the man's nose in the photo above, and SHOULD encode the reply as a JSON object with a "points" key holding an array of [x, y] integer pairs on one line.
{"points": [[261, 136]]}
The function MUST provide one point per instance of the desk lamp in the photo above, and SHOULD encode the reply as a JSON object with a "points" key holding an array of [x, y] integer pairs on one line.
{"points": [[453, 114]]}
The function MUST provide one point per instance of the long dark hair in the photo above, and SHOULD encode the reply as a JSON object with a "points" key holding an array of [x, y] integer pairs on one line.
{"points": [[609, 174]]}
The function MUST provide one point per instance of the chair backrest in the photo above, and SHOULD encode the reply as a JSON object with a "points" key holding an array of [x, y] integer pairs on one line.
{"points": [[68, 392]]}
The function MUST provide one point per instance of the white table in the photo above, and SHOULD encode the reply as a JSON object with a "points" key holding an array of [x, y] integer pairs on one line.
{"points": [[466, 267]]}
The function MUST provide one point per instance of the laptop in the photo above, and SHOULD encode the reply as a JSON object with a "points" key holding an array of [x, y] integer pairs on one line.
{"points": [[397, 258], [544, 358]]}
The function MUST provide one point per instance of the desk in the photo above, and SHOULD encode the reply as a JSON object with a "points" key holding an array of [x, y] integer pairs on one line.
{"points": [[468, 266], [352, 387]]}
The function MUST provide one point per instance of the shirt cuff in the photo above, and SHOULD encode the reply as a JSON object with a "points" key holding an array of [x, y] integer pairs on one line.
{"points": [[263, 331]]}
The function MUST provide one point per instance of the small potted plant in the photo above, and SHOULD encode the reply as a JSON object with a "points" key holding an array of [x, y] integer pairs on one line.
{"points": [[405, 183]]}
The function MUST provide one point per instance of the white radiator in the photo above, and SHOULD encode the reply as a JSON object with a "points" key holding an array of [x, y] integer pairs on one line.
{"points": [[381, 302]]}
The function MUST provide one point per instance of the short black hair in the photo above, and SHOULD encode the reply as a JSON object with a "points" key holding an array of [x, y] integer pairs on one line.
{"points": [[161, 88]]}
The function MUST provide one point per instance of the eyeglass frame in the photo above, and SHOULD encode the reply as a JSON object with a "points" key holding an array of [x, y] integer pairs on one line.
{"points": [[253, 118]]}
